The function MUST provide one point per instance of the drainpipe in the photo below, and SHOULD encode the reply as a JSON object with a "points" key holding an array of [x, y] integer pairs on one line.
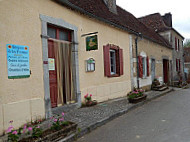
{"points": [[136, 46]]}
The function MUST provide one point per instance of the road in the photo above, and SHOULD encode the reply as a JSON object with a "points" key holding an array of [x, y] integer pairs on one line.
{"points": [[166, 119]]}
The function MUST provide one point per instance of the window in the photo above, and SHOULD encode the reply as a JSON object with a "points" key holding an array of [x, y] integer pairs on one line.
{"points": [[178, 45], [113, 61], [143, 66], [51, 32], [178, 65], [63, 35], [58, 33]]}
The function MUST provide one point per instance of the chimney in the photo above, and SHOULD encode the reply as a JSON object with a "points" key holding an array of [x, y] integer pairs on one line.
{"points": [[168, 19], [111, 4]]}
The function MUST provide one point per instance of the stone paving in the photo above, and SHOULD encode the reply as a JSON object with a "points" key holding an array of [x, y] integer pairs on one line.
{"points": [[89, 118]]}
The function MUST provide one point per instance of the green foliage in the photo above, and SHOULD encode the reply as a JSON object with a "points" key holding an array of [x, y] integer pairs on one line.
{"points": [[12, 137], [136, 93], [58, 122], [187, 43], [37, 132]]}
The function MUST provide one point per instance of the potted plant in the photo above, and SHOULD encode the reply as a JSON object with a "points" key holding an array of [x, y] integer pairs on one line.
{"points": [[136, 96], [88, 100], [58, 128]]}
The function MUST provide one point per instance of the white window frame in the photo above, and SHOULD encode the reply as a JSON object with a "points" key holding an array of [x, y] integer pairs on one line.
{"points": [[114, 62], [144, 57]]}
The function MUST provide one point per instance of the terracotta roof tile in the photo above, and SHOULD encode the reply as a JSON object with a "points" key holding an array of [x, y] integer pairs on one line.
{"points": [[122, 19], [155, 22]]}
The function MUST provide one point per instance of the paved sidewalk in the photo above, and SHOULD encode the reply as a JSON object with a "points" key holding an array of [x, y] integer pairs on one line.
{"points": [[89, 118]]}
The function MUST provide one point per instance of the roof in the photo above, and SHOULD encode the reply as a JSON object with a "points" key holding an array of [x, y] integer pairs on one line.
{"points": [[156, 22], [123, 19]]}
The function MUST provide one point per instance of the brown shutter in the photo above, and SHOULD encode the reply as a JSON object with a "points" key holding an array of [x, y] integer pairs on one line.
{"points": [[178, 44], [179, 65], [175, 43], [147, 61], [107, 61], [140, 67], [176, 64], [120, 61]]}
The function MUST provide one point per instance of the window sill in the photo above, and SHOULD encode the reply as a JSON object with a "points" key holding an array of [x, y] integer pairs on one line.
{"points": [[114, 75]]}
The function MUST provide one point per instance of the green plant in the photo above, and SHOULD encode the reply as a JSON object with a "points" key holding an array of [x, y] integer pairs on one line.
{"points": [[58, 122], [136, 93], [37, 132], [88, 97], [13, 135]]}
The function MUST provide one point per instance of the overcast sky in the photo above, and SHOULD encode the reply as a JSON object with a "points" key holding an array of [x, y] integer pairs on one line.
{"points": [[180, 11]]}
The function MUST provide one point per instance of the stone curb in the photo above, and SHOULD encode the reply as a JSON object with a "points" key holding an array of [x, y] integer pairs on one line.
{"points": [[107, 119]]}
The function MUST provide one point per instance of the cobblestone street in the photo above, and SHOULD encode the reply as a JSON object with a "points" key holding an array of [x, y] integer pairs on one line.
{"points": [[165, 119]]}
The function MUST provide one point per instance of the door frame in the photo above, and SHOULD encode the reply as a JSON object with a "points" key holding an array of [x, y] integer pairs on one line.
{"points": [[45, 20]]}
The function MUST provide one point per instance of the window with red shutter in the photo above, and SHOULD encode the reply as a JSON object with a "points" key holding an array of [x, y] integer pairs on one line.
{"points": [[175, 43], [113, 61], [177, 65], [178, 45], [147, 61], [121, 61], [107, 61], [140, 67]]}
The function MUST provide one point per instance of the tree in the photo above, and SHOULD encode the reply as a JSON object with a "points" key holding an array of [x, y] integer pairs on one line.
{"points": [[187, 43]]}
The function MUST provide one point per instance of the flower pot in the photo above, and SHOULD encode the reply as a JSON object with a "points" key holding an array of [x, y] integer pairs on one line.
{"points": [[136, 100], [91, 103], [52, 135]]}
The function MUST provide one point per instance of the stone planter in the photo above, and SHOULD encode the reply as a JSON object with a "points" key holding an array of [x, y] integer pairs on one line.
{"points": [[136, 100], [52, 135]]}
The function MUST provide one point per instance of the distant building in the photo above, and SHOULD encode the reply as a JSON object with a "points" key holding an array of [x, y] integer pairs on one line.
{"points": [[163, 26], [187, 63]]}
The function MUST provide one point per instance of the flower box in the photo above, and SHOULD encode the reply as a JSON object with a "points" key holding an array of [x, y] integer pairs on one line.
{"points": [[138, 99], [53, 135], [91, 103], [136, 96]]}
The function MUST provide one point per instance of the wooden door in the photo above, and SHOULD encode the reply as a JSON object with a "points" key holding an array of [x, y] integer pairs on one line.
{"points": [[165, 70], [153, 69], [60, 34], [52, 75]]}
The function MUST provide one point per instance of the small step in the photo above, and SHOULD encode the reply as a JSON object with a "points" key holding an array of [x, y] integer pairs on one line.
{"points": [[163, 88], [160, 89]]}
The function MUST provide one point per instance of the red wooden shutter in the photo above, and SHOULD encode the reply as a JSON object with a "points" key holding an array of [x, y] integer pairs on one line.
{"points": [[179, 65], [175, 43], [107, 61], [147, 61], [178, 44], [120, 61], [176, 64], [140, 67]]}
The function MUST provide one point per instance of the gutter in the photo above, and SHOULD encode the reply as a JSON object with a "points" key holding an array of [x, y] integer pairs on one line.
{"points": [[74, 7]]}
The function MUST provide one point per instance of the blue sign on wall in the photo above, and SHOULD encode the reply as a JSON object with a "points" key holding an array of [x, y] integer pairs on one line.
{"points": [[18, 61]]}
